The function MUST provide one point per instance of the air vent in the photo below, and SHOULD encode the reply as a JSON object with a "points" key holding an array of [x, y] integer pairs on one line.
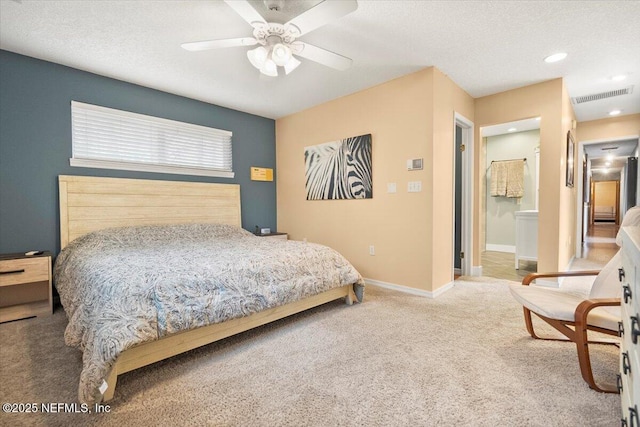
{"points": [[598, 96], [609, 148]]}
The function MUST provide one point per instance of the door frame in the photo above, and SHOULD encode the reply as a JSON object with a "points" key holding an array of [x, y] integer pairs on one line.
{"points": [[593, 198], [466, 222], [580, 189]]}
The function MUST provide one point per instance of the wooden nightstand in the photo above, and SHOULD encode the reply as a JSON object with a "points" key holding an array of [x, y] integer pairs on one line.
{"points": [[25, 286], [283, 236]]}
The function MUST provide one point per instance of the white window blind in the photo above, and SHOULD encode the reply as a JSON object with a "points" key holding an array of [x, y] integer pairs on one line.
{"points": [[114, 139]]}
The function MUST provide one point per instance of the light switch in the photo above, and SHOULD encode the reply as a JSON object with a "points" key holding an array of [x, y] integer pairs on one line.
{"points": [[391, 187], [414, 186]]}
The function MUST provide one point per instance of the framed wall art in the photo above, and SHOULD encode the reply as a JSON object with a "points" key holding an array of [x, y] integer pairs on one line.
{"points": [[571, 147], [339, 169]]}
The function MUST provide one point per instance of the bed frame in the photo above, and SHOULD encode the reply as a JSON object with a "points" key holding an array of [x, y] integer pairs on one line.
{"points": [[92, 203]]}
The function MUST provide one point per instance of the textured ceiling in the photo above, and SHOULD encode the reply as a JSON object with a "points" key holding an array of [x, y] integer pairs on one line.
{"points": [[484, 46]]}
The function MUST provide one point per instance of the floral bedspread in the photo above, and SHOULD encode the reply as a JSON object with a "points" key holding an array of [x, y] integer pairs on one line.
{"points": [[124, 286]]}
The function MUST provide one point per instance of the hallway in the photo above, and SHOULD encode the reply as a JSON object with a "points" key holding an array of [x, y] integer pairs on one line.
{"points": [[600, 243], [600, 246]]}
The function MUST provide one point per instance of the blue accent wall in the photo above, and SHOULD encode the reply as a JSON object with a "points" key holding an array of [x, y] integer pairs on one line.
{"points": [[35, 145]]}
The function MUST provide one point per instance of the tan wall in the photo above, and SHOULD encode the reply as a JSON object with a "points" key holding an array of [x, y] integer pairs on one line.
{"points": [[400, 115], [549, 101], [614, 127], [448, 99], [567, 209]]}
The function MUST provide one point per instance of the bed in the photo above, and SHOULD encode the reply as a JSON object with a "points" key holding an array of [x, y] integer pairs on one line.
{"points": [[151, 269]]}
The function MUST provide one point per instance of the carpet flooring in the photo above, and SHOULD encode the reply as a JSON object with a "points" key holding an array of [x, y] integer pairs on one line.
{"points": [[462, 359]]}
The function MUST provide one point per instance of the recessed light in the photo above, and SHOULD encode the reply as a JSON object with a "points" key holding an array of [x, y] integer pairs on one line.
{"points": [[614, 112], [512, 130], [619, 77], [555, 57]]}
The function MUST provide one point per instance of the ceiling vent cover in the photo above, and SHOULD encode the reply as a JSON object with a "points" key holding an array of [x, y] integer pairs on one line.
{"points": [[598, 96]]}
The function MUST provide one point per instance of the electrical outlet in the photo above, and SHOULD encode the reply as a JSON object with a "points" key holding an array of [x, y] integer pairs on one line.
{"points": [[304, 239], [391, 187], [372, 250]]}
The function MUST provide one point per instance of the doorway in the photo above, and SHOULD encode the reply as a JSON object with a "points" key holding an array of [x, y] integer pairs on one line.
{"points": [[463, 196], [506, 252], [609, 159], [605, 202]]}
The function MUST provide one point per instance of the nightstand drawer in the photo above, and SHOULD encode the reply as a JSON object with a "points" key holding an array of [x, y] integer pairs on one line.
{"points": [[24, 270]]}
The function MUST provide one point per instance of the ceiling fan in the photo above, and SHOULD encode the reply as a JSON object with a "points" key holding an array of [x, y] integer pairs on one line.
{"points": [[278, 43]]}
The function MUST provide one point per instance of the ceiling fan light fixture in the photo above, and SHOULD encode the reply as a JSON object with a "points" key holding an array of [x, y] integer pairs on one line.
{"points": [[269, 68], [281, 54], [258, 57], [291, 65]]}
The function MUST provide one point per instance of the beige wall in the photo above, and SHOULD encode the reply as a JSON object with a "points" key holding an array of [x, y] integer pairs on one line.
{"points": [[413, 117], [448, 99], [409, 117], [614, 127], [550, 101], [567, 209]]}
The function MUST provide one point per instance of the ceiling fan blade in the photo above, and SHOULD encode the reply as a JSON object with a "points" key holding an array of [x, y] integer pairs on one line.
{"points": [[217, 44], [321, 56], [246, 11], [321, 14]]}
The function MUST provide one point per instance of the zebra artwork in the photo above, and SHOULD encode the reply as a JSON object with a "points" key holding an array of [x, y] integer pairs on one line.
{"points": [[339, 169]]}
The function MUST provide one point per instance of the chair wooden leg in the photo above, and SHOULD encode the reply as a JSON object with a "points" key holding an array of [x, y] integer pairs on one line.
{"points": [[582, 345], [528, 323]]}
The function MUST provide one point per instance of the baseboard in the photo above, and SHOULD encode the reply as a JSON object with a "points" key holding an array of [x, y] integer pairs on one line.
{"points": [[476, 270], [570, 264], [409, 290], [501, 248], [569, 267]]}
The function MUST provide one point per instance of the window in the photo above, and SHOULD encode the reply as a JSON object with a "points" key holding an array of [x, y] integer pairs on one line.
{"points": [[114, 139]]}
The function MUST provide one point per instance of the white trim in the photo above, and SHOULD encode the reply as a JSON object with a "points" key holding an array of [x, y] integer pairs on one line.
{"points": [[103, 164], [467, 189], [569, 267], [476, 270], [537, 178], [409, 290], [502, 248]]}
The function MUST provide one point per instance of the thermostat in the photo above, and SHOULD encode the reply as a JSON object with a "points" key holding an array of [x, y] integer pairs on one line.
{"points": [[414, 164]]}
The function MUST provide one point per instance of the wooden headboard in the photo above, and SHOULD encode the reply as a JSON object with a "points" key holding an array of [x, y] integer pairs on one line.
{"points": [[92, 203]]}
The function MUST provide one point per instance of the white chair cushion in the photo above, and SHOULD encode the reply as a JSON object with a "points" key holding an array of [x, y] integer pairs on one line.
{"points": [[607, 284], [632, 217], [556, 304]]}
